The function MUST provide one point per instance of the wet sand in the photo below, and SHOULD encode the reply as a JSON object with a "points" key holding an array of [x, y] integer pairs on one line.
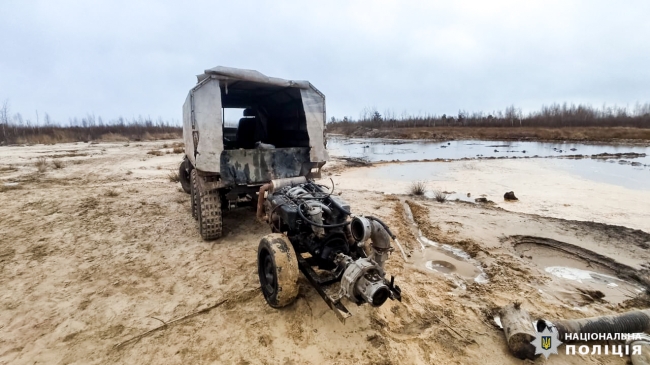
{"points": [[541, 186]]}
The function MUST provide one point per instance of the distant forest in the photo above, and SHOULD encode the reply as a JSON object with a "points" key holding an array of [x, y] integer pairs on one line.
{"points": [[14, 129], [553, 116]]}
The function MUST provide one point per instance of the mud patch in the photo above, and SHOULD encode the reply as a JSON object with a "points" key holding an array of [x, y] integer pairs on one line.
{"points": [[7, 254], [452, 262], [442, 266], [577, 273], [38, 252]]}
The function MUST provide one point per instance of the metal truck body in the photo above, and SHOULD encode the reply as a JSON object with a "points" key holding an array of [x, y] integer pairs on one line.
{"points": [[282, 136]]}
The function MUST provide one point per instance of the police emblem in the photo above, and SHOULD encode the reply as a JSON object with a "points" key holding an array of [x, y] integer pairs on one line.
{"points": [[547, 342]]}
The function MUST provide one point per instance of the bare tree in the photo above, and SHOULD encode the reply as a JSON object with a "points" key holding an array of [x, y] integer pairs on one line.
{"points": [[4, 118]]}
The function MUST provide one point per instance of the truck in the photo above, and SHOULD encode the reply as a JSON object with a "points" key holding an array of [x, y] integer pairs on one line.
{"points": [[270, 160]]}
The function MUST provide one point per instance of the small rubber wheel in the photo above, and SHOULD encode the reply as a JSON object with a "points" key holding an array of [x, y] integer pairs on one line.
{"points": [[184, 176], [209, 213], [277, 268], [194, 194]]}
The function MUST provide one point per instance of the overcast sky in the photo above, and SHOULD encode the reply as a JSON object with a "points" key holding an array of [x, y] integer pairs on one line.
{"points": [[128, 58]]}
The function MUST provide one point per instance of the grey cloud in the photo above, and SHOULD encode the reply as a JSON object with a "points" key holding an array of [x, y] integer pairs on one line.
{"points": [[130, 58]]}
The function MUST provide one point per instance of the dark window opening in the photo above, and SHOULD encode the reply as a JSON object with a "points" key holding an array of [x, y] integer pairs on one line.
{"points": [[270, 115]]}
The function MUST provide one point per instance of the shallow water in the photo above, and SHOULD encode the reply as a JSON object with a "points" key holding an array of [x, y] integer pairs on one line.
{"points": [[379, 149], [609, 171], [578, 272], [613, 191], [603, 171], [547, 187], [452, 262], [632, 173]]}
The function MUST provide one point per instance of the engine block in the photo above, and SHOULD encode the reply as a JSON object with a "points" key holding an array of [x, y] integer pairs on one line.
{"points": [[334, 246]]}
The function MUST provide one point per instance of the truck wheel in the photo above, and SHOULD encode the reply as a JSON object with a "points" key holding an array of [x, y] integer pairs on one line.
{"points": [[194, 194], [209, 213], [184, 176], [277, 268]]}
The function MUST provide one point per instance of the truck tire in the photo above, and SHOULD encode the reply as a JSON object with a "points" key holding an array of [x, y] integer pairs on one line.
{"points": [[194, 193], [209, 213], [277, 267], [184, 172]]}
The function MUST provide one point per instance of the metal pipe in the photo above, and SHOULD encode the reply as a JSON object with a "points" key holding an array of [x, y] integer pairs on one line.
{"points": [[260, 201], [272, 186], [291, 181], [630, 322], [520, 334], [380, 243], [383, 224]]}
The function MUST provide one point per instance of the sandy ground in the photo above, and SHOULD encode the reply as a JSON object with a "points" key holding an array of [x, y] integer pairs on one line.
{"points": [[104, 249]]}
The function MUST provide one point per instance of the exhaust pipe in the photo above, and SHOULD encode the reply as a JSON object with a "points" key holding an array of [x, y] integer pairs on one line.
{"points": [[272, 186]]}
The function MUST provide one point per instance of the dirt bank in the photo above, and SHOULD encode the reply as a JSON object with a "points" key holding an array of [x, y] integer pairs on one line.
{"points": [[104, 248], [576, 134]]}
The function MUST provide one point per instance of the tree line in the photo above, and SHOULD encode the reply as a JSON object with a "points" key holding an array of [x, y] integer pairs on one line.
{"points": [[14, 129], [552, 116]]}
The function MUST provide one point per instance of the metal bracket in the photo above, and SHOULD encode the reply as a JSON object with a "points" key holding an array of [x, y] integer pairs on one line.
{"points": [[395, 291], [339, 309], [208, 185]]}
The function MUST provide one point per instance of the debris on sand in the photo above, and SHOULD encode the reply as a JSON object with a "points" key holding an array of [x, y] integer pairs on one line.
{"points": [[355, 161], [518, 330], [520, 334], [510, 196]]}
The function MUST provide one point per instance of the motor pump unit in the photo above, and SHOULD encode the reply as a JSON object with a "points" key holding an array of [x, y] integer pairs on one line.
{"points": [[342, 255]]}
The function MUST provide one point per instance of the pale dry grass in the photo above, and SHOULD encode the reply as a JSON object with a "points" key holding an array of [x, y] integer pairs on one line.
{"points": [[8, 168], [418, 188], [41, 164], [173, 176], [440, 196], [4, 188], [112, 193], [113, 137]]}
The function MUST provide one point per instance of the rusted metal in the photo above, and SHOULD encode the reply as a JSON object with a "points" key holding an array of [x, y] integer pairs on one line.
{"points": [[334, 303], [260, 201], [271, 186], [208, 182]]}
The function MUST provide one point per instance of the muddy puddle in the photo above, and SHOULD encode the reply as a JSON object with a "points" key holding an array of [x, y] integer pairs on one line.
{"points": [[380, 149], [451, 262], [575, 278]]}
